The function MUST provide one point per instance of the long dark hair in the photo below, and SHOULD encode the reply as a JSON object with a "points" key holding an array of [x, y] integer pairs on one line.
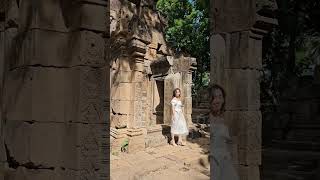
{"points": [[175, 91], [214, 87]]}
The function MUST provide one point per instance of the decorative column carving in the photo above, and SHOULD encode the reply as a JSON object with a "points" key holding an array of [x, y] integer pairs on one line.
{"points": [[236, 60]]}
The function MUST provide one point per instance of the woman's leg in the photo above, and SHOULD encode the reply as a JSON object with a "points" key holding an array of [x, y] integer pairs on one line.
{"points": [[179, 139], [172, 142]]}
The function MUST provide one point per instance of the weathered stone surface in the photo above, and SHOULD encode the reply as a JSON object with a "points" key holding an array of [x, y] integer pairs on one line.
{"points": [[188, 105], [141, 73], [233, 15], [249, 172], [155, 137], [136, 143], [75, 94], [64, 49], [123, 91], [247, 126], [219, 56], [91, 16], [60, 16], [242, 89], [182, 64], [151, 54], [122, 13], [50, 15], [57, 144], [2, 58], [168, 86], [55, 103], [245, 52], [58, 174], [121, 107], [91, 48], [119, 121], [12, 12]]}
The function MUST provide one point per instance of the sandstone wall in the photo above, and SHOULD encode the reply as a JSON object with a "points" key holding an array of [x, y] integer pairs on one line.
{"points": [[144, 72], [56, 104], [236, 50]]}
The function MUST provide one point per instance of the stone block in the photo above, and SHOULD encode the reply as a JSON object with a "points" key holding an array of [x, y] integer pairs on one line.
{"points": [[50, 15], [155, 137], [119, 121], [57, 174], [251, 157], [151, 54], [245, 52], [165, 50], [249, 172], [89, 48], [2, 28], [2, 47], [138, 114], [128, 77], [233, 15], [64, 49], [188, 105], [247, 126], [122, 91], [91, 16], [12, 13], [125, 63], [121, 76], [136, 144], [242, 89], [219, 44], [117, 144], [98, 2], [3, 157], [122, 107], [56, 94], [187, 90], [75, 146]]}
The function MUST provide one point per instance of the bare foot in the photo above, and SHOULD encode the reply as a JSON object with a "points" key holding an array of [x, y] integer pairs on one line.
{"points": [[173, 143], [181, 143]]}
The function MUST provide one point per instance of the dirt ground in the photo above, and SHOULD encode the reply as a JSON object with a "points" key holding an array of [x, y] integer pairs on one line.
{"points": [[164, 162]]}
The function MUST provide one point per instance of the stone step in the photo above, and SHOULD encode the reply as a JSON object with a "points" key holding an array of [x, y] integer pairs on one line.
{"points": [[280, 157], [286, 175], [280, 164], [296, 145], [305, 124], [311, 135]]}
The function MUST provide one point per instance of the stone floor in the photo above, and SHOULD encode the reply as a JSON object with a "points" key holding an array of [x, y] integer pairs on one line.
{"points": [[165, 162]]}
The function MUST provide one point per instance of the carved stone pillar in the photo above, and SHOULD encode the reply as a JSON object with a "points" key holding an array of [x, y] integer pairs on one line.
{"points": [[55, 101], [138, 50], [2, 58], [236, 59]]}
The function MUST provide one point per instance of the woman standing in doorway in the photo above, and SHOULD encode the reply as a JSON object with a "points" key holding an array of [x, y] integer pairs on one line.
{"points": [[178, 124], [221, 163]]}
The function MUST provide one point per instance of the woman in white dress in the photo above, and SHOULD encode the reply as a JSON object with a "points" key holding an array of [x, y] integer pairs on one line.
{"points": [[221, 163], [178, 124]]}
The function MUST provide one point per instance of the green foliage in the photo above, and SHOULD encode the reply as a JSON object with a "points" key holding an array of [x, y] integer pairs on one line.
{"points": [[188, 30], [125, 145]]}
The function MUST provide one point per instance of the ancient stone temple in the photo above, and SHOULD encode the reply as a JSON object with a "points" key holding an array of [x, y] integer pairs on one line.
{"points": [[144, 72], [54, 72], [236, 60]]}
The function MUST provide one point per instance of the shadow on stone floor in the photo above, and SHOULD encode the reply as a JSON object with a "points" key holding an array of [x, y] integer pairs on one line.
{"points": [[166, 161], [198, 135]]}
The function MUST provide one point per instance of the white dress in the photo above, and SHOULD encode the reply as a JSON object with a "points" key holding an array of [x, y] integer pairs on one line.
{"points": [[179, 125], [221, 164]]}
